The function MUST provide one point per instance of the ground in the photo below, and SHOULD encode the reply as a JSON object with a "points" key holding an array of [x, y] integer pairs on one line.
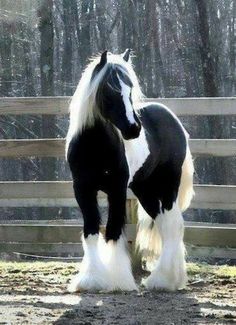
{"points": [[35, 293]]}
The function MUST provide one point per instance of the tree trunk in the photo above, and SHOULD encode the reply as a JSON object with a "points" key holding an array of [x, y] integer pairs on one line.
{"points": [[46, 47], [5, 53], [159, 71], [29, 90], [85, 42], [48, 165], [46, 69], [208, 66], [232, 50], [67, 49]]}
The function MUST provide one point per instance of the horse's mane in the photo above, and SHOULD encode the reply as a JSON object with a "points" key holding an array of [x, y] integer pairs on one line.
{"points": [[83, 103]]}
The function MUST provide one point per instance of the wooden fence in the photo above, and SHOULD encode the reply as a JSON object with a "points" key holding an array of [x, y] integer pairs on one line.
{"points": [[40, 238]]}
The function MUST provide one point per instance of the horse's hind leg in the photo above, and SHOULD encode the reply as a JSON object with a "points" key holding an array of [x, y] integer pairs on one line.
{"points": [[92, 275], [161, 229], [170, 270], [115, 255]]}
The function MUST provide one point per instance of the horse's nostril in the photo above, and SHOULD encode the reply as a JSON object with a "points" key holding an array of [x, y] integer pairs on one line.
{"points": [[132, 131], [135, 126], [135, 129]]}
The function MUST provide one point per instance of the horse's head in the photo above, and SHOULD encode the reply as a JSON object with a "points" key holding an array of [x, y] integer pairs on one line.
{"points": [[114, 95]]}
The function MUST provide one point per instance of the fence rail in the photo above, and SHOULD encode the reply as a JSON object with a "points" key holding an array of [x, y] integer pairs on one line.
{"points": [[56, 147], [197, 234], [202, 239], [59, 105], [60, 193]]}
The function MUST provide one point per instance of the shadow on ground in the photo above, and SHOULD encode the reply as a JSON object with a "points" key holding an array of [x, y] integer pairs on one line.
{"points": [[133, 308], [34, 293]]}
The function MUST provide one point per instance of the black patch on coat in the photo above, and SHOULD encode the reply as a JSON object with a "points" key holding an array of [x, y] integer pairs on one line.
{"points": [[97, 162]]}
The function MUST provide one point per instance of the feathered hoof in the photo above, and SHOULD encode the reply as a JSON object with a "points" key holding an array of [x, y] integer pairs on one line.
{"points": [[118, 266], [157, 283], [123, 284], [162, 282], [87, 282]]}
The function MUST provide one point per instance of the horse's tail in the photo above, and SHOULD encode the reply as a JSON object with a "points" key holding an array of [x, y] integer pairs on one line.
{"points": [[186, 191], [148, 239]]}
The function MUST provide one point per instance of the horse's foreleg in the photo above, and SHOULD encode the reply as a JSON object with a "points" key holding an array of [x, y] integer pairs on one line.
{"points": [[116, 257], [170, 270], [92, 275]]}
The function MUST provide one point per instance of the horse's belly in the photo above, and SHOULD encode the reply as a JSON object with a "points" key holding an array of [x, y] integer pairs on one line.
{"points": [[136, 152]]}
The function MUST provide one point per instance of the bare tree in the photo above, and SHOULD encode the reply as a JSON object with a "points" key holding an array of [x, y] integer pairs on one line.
{"points": [[208, 64]]}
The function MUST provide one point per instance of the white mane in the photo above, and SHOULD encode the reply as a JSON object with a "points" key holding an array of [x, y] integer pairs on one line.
{"points": [[82, 106]]}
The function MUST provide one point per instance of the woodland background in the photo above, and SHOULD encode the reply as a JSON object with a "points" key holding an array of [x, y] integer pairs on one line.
{"points": [[182, 48]]}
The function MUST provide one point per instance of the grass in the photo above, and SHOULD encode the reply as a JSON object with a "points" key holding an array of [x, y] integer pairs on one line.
{"points": [[20, 268], [65, 269], [204, 269]]}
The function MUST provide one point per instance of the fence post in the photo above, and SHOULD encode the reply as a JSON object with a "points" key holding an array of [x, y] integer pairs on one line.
{"points": [[131, 212]]}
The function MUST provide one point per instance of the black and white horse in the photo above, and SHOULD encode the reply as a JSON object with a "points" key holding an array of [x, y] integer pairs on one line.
{"points": [[114, 142]]}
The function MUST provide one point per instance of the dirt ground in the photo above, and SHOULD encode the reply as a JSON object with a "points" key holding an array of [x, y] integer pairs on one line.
{"points": [[35, 293]]}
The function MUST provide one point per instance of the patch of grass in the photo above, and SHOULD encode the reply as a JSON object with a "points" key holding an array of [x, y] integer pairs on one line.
{"points": [[65, 269], [204, 269], [61, 268]]}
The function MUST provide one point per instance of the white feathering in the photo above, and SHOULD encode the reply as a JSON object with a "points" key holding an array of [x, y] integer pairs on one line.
{"points": [[117, 263], [93, 275]]}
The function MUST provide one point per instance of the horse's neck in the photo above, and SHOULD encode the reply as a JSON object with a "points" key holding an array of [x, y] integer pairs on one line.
{"points": [[105, 130]]}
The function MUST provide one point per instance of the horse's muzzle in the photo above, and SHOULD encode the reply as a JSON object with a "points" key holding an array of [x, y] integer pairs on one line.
{"points": [[132, 132]]}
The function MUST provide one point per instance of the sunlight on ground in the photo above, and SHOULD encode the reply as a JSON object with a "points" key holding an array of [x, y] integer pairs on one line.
{"points": [[35, 293], [49, 299]]}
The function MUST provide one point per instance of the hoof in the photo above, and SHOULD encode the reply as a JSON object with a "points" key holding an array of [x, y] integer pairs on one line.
{"points": [[123, 285], [118, 266], [160, 281], [157, 283], [86, 282]]}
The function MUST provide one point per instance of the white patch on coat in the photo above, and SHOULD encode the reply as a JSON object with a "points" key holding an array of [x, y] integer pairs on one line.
{"points": [[136, 152], [125, 93], [117, 262], [169, 272], [92, 275]]}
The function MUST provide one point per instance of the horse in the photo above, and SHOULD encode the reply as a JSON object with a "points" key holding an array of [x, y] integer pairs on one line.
{"points": [[115, 142]]}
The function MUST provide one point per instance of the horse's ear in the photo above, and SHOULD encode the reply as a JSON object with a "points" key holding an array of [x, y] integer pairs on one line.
{"points": [[103, 59], [126, 55], [100, 65]]}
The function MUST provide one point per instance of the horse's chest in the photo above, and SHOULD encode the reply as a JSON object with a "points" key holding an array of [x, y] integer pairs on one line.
{"points": [[136, 152]]}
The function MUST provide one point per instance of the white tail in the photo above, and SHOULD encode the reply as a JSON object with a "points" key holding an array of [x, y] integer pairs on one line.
{"points": [[148, 240], [186, 191]]}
